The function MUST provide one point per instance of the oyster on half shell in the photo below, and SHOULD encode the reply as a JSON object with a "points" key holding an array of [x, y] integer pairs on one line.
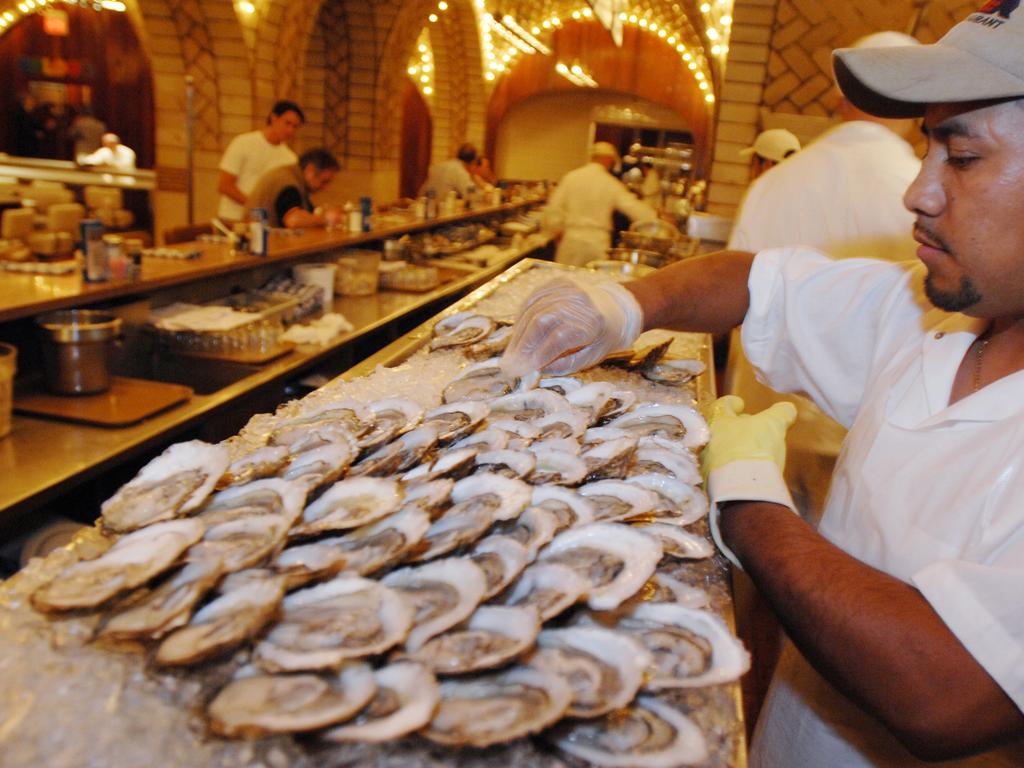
{"points": [[615, 559], [406, 698], [257, 705], [648, 733], [550, 588], [444, 592], [346, 618], [236, 615], [492, 709], [604, 668], [131, 562], [172, 485], [350, 503], [691, 647], [493, 635], [501, 558]]}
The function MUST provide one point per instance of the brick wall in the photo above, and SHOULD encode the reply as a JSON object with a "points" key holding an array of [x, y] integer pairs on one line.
{"points": [[778, 72]]}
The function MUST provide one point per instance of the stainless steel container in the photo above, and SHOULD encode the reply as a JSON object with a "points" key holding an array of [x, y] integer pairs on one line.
{"points": [[76, 350]]}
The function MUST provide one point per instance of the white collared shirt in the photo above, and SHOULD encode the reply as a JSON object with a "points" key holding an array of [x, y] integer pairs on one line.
{"points": [[925, 491]]}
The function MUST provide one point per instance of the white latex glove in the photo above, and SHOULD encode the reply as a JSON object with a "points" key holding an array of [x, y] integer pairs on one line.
{"points": [[745, 457], [569, 325]]}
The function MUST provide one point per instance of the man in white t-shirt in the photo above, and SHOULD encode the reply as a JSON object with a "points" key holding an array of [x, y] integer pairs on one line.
{"points": [[904, 606], [250, 155], [112, 154]]}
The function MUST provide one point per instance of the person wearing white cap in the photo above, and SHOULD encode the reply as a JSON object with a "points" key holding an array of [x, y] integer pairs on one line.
{"points": [[579, 211], [843, 194], [769, 149], [904, 605]]}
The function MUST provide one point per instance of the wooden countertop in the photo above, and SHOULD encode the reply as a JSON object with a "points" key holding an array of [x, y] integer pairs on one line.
{"points": [[42, 458], [24, 295]]}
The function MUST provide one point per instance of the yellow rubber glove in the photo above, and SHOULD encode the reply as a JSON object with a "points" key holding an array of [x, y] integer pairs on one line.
{"points": [[745, 457]]}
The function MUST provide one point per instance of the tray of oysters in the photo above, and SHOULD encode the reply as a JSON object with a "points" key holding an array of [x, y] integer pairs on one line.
{"points": [[434, 563]]}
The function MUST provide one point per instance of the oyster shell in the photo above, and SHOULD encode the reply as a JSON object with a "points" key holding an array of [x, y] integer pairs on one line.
{"points": [[261, 462], [533, 529], [346, 618], [614, 500], [339, 416], [501, 558], [455, 420], [172, 485], [271, 496], [550, 588], [648, 733], [243, 542], [364, 550], [168, 606], [461, 329], [675, 502], [493, 345], [321, 465], [483, 381], [262, 704], [504, 497], [674, 372], [609, 459], [350, 503], [520, 433], [615, 559], [454, 463], [391, 417], [493, 636], [463, 524], [429, 495], [678, 422], [604, 668], [492, 709], [568, 507], [444, 593], [401, 454], [406, 699], [563, 385], [556, 466], [682, 465], [530, 405], [507, 463], [238, 614], [677, 543], [600, 401], [133, 560], [568, 423], [490, 439], [691, 647]]}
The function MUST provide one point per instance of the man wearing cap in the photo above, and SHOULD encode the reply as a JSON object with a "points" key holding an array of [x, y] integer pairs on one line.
{"points": [[904, 606], [769, 149], [580, 209]]}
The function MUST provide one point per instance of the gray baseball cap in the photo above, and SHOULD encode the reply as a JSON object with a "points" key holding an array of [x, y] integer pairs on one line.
{"points": [[980, 58]]}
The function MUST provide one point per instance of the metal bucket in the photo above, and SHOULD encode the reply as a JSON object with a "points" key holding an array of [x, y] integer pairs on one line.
{"points": [[76, 350]]}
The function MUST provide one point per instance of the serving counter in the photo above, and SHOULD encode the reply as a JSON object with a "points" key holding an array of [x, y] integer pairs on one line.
{"points": [[117, 708], [45, 461]]}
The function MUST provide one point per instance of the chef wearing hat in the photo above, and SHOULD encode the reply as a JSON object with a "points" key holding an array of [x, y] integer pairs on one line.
{"points": [[579, 211], [769, 148]]}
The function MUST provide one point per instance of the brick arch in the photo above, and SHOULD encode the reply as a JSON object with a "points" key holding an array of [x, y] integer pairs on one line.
{"points": [[458, 80], [189, 38]]}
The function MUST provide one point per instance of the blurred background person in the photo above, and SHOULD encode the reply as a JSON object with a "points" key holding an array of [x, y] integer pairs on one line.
{"points": [[285, 192], [454, 175], [112, 154], [579, 211], [770, 148], [86, 133], [250, 155]]}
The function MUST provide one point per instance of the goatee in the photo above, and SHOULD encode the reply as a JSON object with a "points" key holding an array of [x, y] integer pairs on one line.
{"points": [[952, 301]]}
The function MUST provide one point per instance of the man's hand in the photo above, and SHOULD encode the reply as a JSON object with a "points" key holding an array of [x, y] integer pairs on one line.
{"points": [[744, 459], [569, 325]]}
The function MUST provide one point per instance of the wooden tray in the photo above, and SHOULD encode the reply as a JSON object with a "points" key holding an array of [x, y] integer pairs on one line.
{"points": [[128, 401]]}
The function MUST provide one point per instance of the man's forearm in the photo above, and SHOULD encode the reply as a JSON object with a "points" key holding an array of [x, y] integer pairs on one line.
{"points": [[707, 294], [871, 635]]}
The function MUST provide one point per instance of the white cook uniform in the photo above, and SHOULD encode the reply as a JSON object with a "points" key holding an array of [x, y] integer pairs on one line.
{"points": [[580, 210], [928, 492], [248, 157], [120, 157], [842, 194]]}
